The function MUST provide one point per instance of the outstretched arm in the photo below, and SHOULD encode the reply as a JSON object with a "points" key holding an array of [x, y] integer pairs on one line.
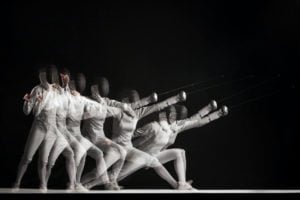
{"points": [[113, 103], [197, 120], [91, 108], [97, 97], [145, 101], [144, 111], [113, 112]]}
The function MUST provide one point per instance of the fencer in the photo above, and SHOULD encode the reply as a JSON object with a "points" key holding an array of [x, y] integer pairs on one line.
{"points": [[83, 108], [93, 128], [155, 137], [65, 144], [123, 129], [42, 134], [114, 154]]}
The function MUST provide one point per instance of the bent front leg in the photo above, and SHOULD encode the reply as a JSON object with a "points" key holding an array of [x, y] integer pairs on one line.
{"points": [[178, 156]]}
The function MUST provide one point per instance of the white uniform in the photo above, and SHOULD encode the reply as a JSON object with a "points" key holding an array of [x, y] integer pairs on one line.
{"points": [[81, 108], [114, 153], [156, 136], [124, 126], [43, 129], [93, 128], [123, 130], [152, 138], [65, 138]]}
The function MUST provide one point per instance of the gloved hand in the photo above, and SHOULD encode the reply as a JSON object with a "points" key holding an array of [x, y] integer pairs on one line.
{"points": [[224, 111], [154, 97], [213, 105], [181, 96], [26, 97]]}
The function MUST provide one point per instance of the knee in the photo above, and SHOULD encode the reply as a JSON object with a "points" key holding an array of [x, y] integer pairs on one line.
{"points": [[69, 153], [43, 163], [100, 170], [50, 166], [99, 156], [79, 155], [154, 162], [79, 158], [179, 152], [25, 161], [70, 158]]}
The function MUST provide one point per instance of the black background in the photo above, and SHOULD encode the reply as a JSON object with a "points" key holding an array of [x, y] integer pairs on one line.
{"points": [[160, 46]]}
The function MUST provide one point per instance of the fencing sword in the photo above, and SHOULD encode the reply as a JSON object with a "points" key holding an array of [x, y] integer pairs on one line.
{"points": [[191, 85], [260, 97], [255, 99], [221, 84], [264, 82]]}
